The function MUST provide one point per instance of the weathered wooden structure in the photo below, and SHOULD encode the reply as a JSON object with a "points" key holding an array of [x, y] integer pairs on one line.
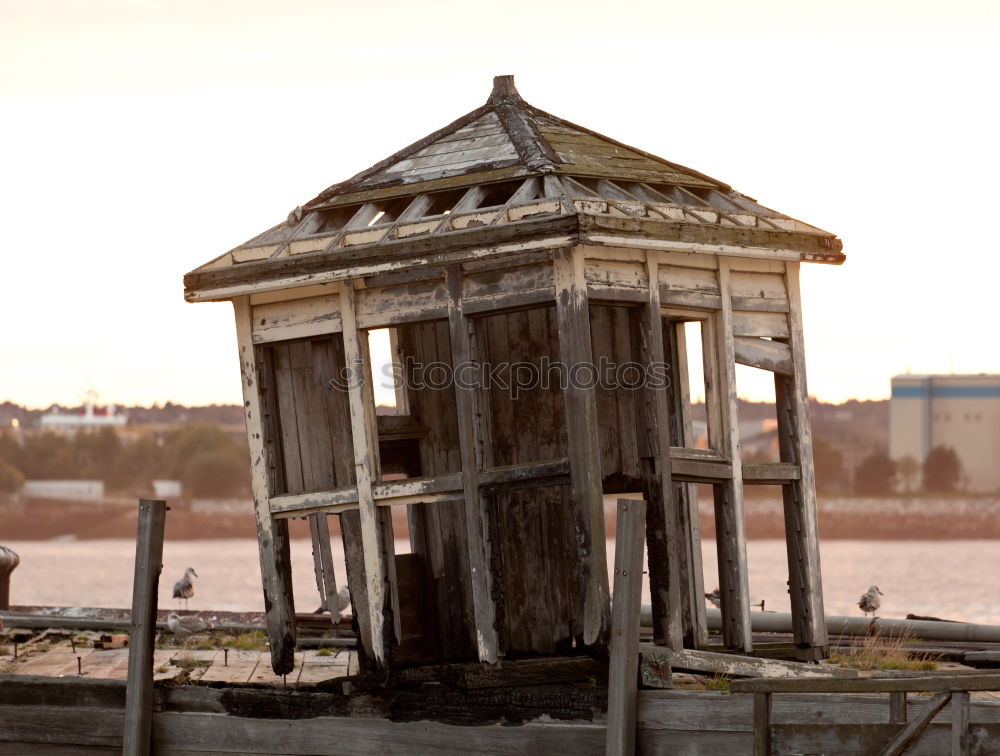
{"points": [[512, 237]]}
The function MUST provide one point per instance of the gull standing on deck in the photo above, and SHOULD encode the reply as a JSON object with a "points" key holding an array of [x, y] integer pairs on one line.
{"points": [[870, 601], [184, 588]]}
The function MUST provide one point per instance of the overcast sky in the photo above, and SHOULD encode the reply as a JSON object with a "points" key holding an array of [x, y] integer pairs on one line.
{"points": [[141, 139]]}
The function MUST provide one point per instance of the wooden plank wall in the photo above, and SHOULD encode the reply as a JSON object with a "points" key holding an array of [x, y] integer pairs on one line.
{"points": [[536, 566], [438, 531]]}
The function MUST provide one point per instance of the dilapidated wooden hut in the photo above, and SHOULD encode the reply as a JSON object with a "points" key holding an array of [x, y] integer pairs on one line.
{"points": [[514, 238]]}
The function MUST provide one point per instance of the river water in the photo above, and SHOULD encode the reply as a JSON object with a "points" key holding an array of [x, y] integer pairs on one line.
{"points": [[949, 579]]}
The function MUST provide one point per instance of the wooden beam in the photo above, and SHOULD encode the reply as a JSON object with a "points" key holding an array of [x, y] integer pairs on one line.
{"points": [[735, 665], [662, 526], [573, 319], [772, 356], [148, 564], [771, 472], [477, 526], [692, 573], [917, 725], [916, 684], [801, 518], [622, 673], [960, 739], [897, 707], [734, 583], [326, 580], [272, 534], [362, 433], [761, 724]]}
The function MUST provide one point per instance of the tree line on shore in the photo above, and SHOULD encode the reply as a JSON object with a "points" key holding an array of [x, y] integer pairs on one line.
{"points": [[878, 475], [206, 459]]}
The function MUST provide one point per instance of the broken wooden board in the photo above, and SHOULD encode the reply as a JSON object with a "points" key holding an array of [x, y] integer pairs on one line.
{"points": [[733, 664]]}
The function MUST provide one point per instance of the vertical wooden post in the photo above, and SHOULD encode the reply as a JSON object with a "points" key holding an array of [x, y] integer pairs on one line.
{"points": [[897, 707], [476, 523], [576, 354], [692, 574], [623, 669], [8, 563], [362, 432], [326, 580], [801, 528], [960, 723], [730, 526], [272, 535], [139, 688], [662, 531], [761, 724]]}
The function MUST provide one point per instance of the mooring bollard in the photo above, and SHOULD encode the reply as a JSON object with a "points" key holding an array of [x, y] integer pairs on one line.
{"points": [[8, 563]]}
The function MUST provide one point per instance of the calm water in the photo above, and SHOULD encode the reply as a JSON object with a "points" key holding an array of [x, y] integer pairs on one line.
{"points": [[949, 579]]}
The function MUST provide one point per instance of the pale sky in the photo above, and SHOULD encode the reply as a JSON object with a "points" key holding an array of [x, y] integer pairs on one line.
{"points": [[141, 139]]}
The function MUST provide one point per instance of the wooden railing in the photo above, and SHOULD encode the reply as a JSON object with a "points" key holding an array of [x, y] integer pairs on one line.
{"points": [[946, 687]]}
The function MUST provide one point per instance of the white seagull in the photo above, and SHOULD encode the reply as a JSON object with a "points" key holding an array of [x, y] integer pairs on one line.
{"points": [[870, 601], [715, 598], [343, 598], [184, 588], [189, 625]]}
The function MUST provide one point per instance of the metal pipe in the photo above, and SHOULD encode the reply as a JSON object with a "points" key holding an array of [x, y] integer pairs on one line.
{"points": [[781, 622], [8, 563]]}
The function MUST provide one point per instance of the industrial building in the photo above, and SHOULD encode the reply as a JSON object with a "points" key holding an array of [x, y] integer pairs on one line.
{"points": [[959, 411]]}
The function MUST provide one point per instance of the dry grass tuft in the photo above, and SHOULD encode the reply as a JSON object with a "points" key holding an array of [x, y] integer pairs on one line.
{"points": [[879, 651], [719, 682]]}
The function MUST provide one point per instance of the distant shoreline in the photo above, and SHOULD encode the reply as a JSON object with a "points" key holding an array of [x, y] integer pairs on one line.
{"points": [[891, 518]]}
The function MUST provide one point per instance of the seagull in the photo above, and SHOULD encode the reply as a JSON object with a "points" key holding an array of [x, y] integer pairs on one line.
{"points": [[870, 601], [188, 625], [343, 598], [184, 588], [715, 598]]}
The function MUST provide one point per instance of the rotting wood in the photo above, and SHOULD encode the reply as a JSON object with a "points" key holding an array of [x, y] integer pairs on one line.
{"points": [[682, 433], [897, 707], [272, 535], [477, 526], [917, 725], [622, 690], [148, 564], [581, 430], [741, 666], [729, 519], [761, 724], [362, 426], [662, 524], [763, 354], [799, 498], [326, 580], [960, 737], [914, 684]]}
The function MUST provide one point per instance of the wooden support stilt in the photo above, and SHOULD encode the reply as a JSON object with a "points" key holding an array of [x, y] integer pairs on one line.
{"points": [[693, 618], [761, 724], [662, 531], [575, 352], [272, 535], [139, 688], [799, 496], [730, 526], [960, 740], [326, 580], [354, 558], [623, 668], [362, 433], [476, 522]]}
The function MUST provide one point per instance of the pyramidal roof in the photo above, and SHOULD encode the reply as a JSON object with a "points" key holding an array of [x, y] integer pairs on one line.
{"points": [[506, 164], [508, 132]]}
